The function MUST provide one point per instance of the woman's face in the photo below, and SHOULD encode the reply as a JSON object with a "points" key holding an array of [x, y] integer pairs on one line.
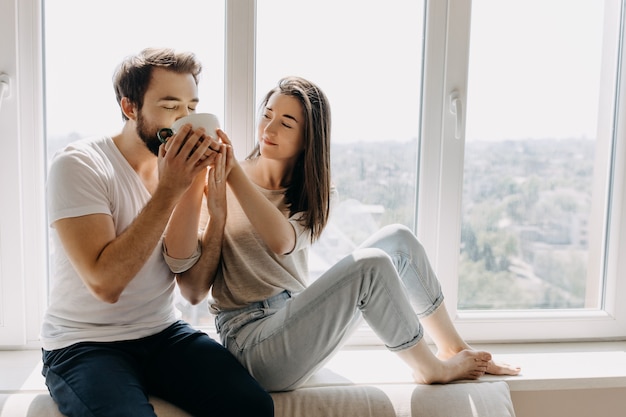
{"points": [[281, 128]]}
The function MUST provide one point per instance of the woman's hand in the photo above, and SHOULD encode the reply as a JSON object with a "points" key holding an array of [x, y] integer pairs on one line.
{"points": [[216, 183], [231, 161]]}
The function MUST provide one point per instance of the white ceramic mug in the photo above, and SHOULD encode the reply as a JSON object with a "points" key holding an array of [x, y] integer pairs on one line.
{"points": [[208, 121]]}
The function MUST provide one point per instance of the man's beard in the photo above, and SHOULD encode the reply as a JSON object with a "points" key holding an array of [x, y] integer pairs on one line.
{"points": [[148, 134]]}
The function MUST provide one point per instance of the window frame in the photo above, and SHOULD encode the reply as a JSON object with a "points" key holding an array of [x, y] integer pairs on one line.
{"points": [[23, 236], [441, 179], [23, 227]]}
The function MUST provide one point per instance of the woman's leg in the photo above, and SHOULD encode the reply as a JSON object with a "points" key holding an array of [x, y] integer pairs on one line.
{"points": [[283, 349], [412, 265], [449, 343], [424, 291]]}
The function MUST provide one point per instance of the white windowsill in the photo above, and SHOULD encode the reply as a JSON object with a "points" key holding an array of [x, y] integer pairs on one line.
{"points": [[561, 366], [545, 366]]}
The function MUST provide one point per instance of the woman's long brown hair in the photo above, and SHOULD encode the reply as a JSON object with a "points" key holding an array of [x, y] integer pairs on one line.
{"points": [[309, 189]]}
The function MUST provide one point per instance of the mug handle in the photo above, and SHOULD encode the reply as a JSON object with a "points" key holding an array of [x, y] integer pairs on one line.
{"points": [[164, 134]]}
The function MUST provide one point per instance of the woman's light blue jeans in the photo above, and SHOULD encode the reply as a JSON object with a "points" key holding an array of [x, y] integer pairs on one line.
{"points": [[388, 281]]}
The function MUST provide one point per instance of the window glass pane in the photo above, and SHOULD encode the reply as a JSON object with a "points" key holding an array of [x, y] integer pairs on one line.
{"points": [[533, 153], [84, 43], [367, 57]]}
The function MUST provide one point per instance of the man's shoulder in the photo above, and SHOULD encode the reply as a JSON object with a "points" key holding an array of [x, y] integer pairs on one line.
{"points": [[88, 149], [86, 145]]}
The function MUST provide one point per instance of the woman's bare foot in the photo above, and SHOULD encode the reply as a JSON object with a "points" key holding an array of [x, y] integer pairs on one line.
{"points": [[493, 367], [467, 364], [502, 368]]}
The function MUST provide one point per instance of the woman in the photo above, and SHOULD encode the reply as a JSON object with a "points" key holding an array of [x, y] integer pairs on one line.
{"points": [[278, 202]]}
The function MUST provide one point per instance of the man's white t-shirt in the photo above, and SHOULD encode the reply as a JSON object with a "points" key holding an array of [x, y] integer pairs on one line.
{"points": [[89, 177]]}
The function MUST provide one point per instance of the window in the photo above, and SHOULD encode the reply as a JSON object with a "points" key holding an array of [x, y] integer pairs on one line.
{"points": [[374, 93], [81, 56], [535, 155], [432, 103], [530, 172]]}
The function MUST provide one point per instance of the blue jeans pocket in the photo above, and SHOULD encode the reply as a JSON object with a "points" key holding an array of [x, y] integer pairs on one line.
{"points": [[231, 330]]}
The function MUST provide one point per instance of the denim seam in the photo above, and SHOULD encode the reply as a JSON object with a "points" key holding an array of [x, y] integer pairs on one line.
{"points": [[420, 332], [435, 299]]}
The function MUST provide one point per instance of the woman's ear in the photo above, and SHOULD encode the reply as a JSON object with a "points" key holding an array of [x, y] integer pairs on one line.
{"points": [[129, 109]]}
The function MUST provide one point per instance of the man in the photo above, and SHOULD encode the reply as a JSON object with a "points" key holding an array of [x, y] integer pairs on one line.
{"points": [[110, 335]]}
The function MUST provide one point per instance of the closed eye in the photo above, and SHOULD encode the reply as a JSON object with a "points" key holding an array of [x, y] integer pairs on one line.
{"points": [[175, 103], [176, 107], [268, 116]]}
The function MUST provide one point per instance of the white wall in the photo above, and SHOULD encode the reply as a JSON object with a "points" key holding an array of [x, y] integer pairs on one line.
{"points": [[598, 402]]}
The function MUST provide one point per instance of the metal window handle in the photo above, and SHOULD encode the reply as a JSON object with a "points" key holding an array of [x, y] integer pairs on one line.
{"points": [[5, 87], [456, 108]]}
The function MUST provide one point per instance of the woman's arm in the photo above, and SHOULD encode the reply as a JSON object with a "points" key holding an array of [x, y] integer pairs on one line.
{"points": [[268, 221]]}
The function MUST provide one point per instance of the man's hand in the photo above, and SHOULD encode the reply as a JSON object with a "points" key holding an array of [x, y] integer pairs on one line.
{"points": [[183, 157]]}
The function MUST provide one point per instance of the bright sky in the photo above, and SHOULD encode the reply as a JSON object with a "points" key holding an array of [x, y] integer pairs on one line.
{"points": [[534, 68], [82, 53], [528, 76]]}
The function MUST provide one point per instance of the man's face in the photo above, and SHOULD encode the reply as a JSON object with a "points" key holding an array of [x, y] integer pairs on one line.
{"points": [[169, 97]]}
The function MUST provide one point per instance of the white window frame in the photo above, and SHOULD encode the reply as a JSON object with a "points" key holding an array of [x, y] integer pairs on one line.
{"points": [[23, 228], [23, 237], [441, 175]]}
